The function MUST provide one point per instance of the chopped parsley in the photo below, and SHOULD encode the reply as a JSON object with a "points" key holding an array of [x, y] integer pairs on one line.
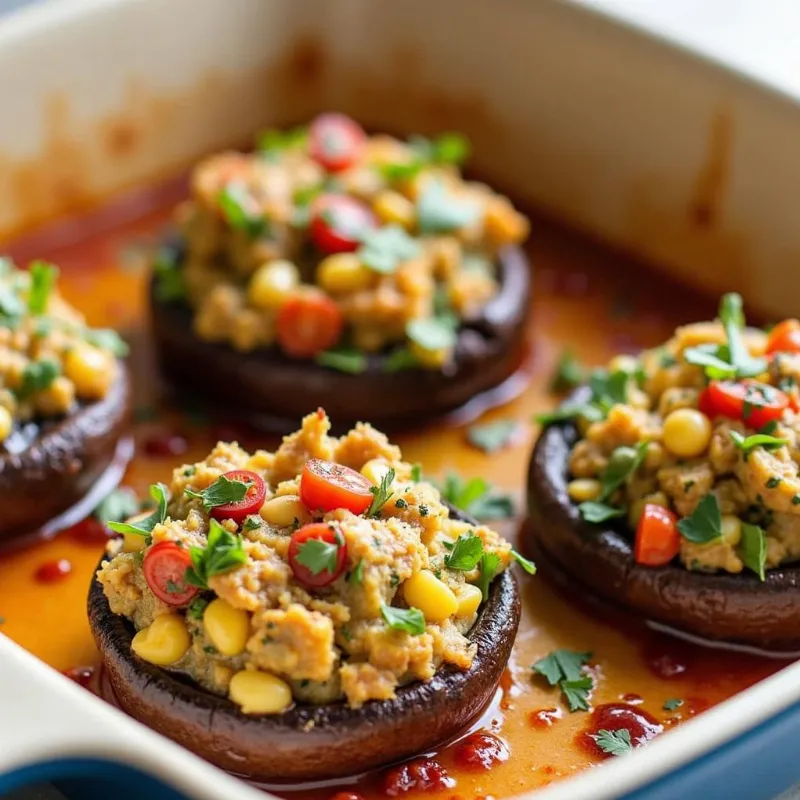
{"points": [[525, 563], [399, 359], [170, 285], [410, 620], [672, 704], [623, 463], [416, 473], [222, 553], [37, 376], [272, 142], [492, 436], [119, 505], [319, 555], [754, 549], [384, 249], [466, 553], [440, 212], [433, 333], [237, 209], [343, 359], [569, 373], [144, 527], [43, 279], [400, 503], [476, 497], [565, 669], [608, 389], [197, 608], [107, 339], [381, 494], [356, 576], [220, 493], [449, 148], [595, 512], [748, 443], [615, 743], [704, 524], [252, 522], [489, 564]]}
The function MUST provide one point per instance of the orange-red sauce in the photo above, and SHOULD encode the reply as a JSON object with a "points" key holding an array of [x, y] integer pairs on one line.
{"points": [[596, 302]]}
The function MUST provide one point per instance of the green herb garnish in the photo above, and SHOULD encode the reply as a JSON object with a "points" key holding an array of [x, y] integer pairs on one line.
{"points": [[43, 279], [476, 497], [672, 704], [235, 203], [384, 249], [564, 668], [223, 552], [399, 359], [433, 333], [615, 743], [489, 564], [343, 359], [119, 505], [197, 608], [525, 563], [144, 527], [416, 473], [704, 524], [466, 553], [170, 285], [318, 555], [272, 142], [410, 620], [220, 493], [754, 549], [492, 436], [356, 576], [440, 212], [37, 376], [748, 443], [569, 373], [380, 494], [623, 463]]}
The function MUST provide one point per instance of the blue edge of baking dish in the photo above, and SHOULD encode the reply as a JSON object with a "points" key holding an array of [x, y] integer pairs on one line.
{"points": [[727, 771]]}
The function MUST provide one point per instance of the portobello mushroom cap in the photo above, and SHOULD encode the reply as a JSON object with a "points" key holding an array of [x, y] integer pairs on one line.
{"points": [[309, 742], [272, 389], [54, 472], [739, 609]]}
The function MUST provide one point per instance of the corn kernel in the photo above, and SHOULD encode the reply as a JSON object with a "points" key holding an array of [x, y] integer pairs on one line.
{"points": [[432, 359], [582, 490], [623, 363], [503, 223], [222, 675], [164, 642], [56, 399], [227, 628], [432, 597], [469, 600], [343, 273], [272, 283], [132, 543], [394, 209], [6, 423], [283, 511], [731, 529], [375, 470], [259, 692], [91, 370], [687, 432]]}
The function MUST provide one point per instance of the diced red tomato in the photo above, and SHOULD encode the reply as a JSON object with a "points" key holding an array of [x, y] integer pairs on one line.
{"points": [[336, 142], [164, 567], [657, 538], [323, 568], [754, 403], [784, 337], [308, 324], [326, 486], [338, 222], [249, 504]]}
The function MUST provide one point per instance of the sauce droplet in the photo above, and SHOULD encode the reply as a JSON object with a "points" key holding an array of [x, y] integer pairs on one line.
{"points": [[81, 675], [165, 444], [481, 751], [614, 717], [52, 571], [420, 775]]}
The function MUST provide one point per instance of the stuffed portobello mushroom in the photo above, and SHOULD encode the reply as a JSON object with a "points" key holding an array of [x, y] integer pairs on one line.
{"points": [[64, 406], [331, 268], [670, 484], [305, 613]]}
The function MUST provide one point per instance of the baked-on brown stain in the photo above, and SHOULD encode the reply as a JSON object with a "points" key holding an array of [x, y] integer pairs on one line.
{"points": [[708, 197], [588, 311]]}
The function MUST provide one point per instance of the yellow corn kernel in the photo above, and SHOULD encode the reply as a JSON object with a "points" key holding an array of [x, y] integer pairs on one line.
{"points": [[394, 209], [469, 600], [687, 432], [343, 273], [272, 283], [282, 511], [503, 223], [164, 642], [637, 398], [132, 543], [259, 692], [432, 359], [56, 399], [90, 370], [375, 470], [222, 675], [433, 598], [6, 423], [582, 490], [623, 363], [731, 529], [227, 628]]}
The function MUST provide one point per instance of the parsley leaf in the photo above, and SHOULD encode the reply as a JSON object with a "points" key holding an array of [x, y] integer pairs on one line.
{"points": [[343, 359], [197, 608], [410, 620], [37, 376], [381, 494], [384, 249], [623, 463], [595, 512], [272, 142], [356, 576], [318, 555], [565, 669], [119, 505], [576, 693], [399, 359], [466, 553], [492, 436], [525, 563], [714, 359], [144, 527], [220, 493], [236, 205], [754, 548], [107, 339], [615, 743], [476, 497], [569, 373], [704, 524], [672, 704], [440, 212], [570, 411], [170, 285], [490, 563], [748, 443], [11, 307], [433, 333], [416, 473], [43, 279], [222, 553]]}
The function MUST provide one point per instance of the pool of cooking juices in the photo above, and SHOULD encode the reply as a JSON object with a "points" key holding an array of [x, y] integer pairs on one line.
{"points": [[584, 682]]}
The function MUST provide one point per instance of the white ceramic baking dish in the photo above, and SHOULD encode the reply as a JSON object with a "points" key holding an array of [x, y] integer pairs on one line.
{"points": [[660, 150]]}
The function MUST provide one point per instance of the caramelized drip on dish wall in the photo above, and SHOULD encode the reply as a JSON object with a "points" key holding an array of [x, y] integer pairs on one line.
{"points": [[596, 302]]}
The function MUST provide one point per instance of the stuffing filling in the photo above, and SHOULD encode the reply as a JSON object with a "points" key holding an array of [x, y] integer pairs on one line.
{"points": [[326, 570]]}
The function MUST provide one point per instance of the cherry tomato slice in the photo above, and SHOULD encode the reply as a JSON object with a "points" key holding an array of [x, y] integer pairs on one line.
{"points": [[308, 324], [657, 538], [319, 566], [784, 337], [336, 142], [338, 222], [249, 504], [756, 404], [326, 486], [165, 566]]}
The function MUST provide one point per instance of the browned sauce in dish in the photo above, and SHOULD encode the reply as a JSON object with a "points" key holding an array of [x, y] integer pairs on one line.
{"points": [[642, 681]]}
